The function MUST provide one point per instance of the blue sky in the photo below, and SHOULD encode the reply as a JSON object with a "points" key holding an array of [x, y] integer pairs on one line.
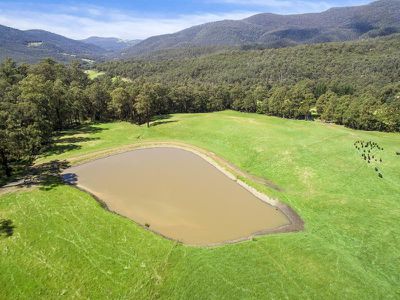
{"points": [[139, 19]]}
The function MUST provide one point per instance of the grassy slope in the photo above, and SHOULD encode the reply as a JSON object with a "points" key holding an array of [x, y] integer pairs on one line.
{"points": [[65, 243]]}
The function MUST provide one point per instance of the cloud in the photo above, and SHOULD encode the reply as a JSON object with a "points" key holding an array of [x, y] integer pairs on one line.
{"points": [[83, 21], [290, 6]]}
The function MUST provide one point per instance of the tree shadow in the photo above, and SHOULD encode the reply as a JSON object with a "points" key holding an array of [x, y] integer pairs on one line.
{"points": [[65, 141], [161, 117], [6, 228], [158, 123], [161, 120], [70, 178], [75, 139], [47, 175], [67, 144], [60, 148], [83, 129]]}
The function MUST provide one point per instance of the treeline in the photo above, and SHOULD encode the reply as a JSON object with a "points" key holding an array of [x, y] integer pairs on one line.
{"points": [[355, 83], [38, 100]]}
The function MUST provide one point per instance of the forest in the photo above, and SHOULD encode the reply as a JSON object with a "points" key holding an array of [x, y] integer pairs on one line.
{"points": [[355, 84]]}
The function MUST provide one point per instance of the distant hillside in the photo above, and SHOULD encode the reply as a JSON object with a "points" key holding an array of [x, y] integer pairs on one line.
{"points": [[111, 44], [379, 18], [33, 45], [357, 64]]}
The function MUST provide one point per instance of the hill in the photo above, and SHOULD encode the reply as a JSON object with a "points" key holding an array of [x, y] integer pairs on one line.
{"points": [[33, 45], [379, 18], [359, 64], [345, 83], [110, 44]]}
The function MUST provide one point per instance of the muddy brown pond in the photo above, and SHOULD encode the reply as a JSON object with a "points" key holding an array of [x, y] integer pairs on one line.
{"points": [[177, 194]]}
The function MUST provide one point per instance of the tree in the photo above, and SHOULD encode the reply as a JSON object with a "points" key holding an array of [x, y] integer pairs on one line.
{"points": [[368, 113], [121, 104], [320, 89], [391, 114], [327, 105], [49, 69], [143, 107], [253, 99], [275, 101], [351, 116], [323, 101], [237, 94], [10, 73], [303, 97], [341, 108], [98, 97], [35, 92], [59, 105], [158, 95], [182, 99], [219, 98], [20, 135], [76, 99], [76, 74]]}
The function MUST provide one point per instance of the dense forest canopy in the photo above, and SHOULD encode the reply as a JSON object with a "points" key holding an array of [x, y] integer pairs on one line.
{"points": [[362, 64]]}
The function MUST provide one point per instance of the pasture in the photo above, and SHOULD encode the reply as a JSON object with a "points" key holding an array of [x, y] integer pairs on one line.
{"points": [[59, 241]]}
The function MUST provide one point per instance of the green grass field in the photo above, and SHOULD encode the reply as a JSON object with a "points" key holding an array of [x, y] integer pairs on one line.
{"points": [[65, 243]]}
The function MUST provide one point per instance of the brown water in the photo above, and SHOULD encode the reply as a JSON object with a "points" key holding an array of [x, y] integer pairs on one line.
{"points": [[179, 195]]}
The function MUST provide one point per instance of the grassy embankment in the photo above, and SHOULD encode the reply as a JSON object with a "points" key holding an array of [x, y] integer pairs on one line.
{"points": [[64, 243]]}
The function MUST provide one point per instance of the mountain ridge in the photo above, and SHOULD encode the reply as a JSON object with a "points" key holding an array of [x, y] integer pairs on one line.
{"points": [[378, 18], [35, 44], [264, 30], [110, 44]]}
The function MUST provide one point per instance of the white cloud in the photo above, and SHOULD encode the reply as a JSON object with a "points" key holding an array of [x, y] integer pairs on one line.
{"points": [[290, 6], [83, 21]]}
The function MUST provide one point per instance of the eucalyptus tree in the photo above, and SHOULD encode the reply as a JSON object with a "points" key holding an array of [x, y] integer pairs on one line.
{"points": [[121, 105], [143, 107]]}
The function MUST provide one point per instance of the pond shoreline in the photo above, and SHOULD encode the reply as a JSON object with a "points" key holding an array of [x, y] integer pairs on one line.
{"points": [[296, 224]]}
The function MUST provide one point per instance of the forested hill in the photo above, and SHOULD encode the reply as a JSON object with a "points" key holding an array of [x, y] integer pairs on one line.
{"points": [[361, 65], [34, 45], [379, 18], [353, 83]]}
